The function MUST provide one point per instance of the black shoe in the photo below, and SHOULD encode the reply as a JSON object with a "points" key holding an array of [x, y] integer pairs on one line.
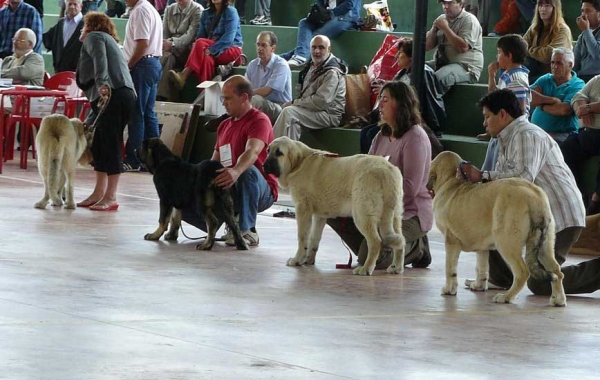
{"points": [[424, 262]]}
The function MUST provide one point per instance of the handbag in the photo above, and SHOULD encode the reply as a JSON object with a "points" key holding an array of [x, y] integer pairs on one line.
{"points": [[318, 15], [358, 101]]}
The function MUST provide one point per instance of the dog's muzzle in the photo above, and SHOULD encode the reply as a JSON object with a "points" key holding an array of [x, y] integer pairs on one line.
{"points": [[271, 166]]}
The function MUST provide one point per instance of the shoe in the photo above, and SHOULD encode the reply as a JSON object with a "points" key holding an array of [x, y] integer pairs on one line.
{"points": [[127, 167], [250, 236], [296, 62], [176, 79], [285, 214], [424, 262], [228, 236], [263, 21], [242, 20], [484, 137], [105, 207], [86, 203], [256, 19], [383, 261]]}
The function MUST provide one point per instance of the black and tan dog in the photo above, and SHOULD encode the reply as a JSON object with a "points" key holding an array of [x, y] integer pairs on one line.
{"points": [[182, 185]]}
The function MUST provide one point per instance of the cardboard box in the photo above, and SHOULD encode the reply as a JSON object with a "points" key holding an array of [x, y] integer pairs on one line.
{"points": [[212, 97], [175, 120]]}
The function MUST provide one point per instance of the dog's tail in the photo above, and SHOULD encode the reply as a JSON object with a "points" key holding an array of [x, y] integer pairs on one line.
{"points": [[540, 242]]}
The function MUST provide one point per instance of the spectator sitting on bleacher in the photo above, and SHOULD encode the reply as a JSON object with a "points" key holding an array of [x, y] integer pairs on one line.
{"points": [[270, 76], [115, 8], [14, 17], [343, 15], [219, 42], [578, 147], [552, 94], [587, 49], [180, 23], [63, 38], [547, 31], [434, 111], [322, 98], [456, 35], [25, 66], [512, 50], [262, 13]]}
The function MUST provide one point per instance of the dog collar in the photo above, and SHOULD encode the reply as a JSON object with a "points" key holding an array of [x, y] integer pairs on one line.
{"points": [[326, 154]]}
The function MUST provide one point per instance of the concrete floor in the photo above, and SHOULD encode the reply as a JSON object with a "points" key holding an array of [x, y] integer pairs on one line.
{"points": [[83, 296]]}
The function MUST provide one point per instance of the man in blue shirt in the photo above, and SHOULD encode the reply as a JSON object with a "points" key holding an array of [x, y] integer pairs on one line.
{"points": [[270, 76], [552, 94], [14, 17]]}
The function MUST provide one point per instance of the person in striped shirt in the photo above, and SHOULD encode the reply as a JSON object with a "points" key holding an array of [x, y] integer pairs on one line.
{"points": [[528, 152], [512, 50]]}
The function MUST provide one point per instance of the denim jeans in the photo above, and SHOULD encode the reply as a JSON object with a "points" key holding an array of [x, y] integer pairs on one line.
{"points": [[306, 32], [143, 123], [251, 195]]}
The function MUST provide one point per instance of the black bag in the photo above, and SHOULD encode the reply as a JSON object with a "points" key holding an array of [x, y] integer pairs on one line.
{"points": [[318, 15]]}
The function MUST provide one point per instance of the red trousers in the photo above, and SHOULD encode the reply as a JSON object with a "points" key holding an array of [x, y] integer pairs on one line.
{"points": [[204, 65]]}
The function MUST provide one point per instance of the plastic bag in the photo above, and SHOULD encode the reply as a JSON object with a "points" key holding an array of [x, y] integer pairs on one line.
{"points": [[380, 10], [383, 66]]}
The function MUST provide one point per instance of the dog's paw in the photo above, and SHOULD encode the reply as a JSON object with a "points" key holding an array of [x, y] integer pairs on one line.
{"points": [[40, 204], [393, 269], [558, 300], [206, 246], [70, 206], [170, 236], [480, 286], [56, 203], [293, 262], [362, 271], [152, 236], [501, 298], [242, 246], [449, 291]]}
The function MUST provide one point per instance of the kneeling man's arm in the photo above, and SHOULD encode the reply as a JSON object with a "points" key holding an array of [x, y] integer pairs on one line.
{"points": [[228, 176]]}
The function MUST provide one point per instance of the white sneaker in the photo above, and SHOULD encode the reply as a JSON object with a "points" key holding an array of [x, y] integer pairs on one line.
{"points": [[250, 236], [256, 20], [296, 62]]}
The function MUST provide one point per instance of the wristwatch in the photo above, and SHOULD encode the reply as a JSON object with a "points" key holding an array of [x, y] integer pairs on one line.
{"points": [[485, 176]]}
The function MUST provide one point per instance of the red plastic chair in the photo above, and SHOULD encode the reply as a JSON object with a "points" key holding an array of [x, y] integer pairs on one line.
{"points": [[65, 81]]}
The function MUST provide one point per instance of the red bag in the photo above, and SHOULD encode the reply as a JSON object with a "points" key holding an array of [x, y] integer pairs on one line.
{"points": [[383, 66]]}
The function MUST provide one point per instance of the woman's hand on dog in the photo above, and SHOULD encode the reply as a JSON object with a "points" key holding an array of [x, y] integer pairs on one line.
{"points": [[226, 177], [469, 173]]}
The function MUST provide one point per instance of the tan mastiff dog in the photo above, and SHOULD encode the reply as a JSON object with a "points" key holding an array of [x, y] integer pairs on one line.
{"points": [[322, 185], [507, 215]]}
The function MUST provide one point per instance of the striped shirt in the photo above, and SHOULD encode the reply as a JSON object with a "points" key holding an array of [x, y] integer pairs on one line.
{"points": [[517, 80], [25, 16], [528, 152]]}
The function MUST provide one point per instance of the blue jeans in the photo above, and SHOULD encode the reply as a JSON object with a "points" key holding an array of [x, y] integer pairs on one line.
{"points": [[251, 194], [306, 32], [143, 123]]}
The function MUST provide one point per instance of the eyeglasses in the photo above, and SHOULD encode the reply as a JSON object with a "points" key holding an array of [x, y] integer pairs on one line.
{"points": [[18, 40]]}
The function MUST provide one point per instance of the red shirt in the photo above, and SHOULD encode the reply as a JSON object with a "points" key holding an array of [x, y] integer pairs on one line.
{"points": [[253, 125]]}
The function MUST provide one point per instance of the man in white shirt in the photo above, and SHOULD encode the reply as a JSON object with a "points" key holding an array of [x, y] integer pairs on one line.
{"points": [[270, 76], [142, 49], [528, 152]]}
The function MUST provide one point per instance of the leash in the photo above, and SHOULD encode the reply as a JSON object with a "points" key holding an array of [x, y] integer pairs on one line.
{"points": [[102, 104], [191, 238], [343, 226]]}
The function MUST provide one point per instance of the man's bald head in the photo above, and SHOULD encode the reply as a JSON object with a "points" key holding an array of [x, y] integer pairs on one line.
{"points": [[240, 85], [320, 48]]}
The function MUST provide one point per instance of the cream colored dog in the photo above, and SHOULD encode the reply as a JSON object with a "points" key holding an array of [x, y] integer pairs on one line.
{"points": [[367, 188], [505, 215], [61, 143]]}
